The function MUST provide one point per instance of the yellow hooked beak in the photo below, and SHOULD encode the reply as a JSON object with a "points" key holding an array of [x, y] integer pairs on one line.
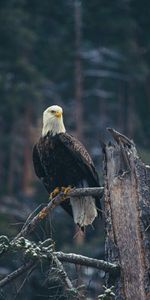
{"points": [[58, 114]]}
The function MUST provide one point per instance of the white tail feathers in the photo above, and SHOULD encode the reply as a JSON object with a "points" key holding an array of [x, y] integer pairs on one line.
{"points": [[84, 210]]}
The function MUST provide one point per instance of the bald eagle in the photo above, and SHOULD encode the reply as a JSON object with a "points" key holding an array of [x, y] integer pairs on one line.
{"points": [[60, 160]]}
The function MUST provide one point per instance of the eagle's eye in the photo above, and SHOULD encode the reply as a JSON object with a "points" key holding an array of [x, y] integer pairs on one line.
{"points": [[52, 111]]}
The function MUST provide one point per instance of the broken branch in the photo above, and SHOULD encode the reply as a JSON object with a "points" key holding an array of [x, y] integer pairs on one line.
{"points": [[88, 262]]}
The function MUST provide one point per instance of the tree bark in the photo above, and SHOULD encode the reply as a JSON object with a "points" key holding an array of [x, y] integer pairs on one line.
{"points": [[127, 210]]}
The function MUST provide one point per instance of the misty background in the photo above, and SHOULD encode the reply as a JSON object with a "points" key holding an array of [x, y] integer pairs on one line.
{"points": [[93, 59]]}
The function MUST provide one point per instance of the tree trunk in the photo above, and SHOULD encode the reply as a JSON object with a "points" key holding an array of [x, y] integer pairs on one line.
{"points": [[26, 186], [127, 210], [78, 69], [1, 154], [11, 165]]}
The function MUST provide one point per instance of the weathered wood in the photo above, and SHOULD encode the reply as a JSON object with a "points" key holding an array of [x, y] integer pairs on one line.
{"points": [[127, 209], [88, 262]]}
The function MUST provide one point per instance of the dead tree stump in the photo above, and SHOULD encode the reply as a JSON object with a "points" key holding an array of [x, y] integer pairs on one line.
{"points": [[127, 212]]}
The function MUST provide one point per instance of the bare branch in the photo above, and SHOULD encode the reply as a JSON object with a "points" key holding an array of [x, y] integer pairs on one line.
{"points": [[89, 262], [30, 225], [36, 252], [120, 137], [24, 281], [95, 191], [21, 270], [64, 276], [53, 203], [45, 250]]}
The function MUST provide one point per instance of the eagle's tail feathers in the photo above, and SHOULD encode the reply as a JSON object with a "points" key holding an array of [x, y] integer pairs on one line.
{"points": [[84, 210]]}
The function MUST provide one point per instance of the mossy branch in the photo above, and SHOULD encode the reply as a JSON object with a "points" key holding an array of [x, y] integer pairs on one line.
{"points": [[46, 250], [34, 252]]}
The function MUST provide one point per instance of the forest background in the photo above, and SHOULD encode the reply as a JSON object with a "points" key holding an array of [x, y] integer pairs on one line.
{"points": [[93, 59]]}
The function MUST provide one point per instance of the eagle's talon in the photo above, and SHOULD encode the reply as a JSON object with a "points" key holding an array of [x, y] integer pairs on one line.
{"points": [[66, 190], [54, 193]]}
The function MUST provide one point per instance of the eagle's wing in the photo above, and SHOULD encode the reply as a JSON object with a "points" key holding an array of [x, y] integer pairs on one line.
{"points": [[39, 170], [82, 157]]}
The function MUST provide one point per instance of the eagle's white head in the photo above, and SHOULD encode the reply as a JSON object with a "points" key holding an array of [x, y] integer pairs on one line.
{"points": [[53, 120]]}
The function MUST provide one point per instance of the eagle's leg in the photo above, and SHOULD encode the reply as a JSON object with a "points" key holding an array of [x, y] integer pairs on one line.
{"points": [[54, 193]]}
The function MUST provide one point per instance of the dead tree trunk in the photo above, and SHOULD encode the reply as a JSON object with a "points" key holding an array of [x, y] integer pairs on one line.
{"points": [[127, 210]]}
